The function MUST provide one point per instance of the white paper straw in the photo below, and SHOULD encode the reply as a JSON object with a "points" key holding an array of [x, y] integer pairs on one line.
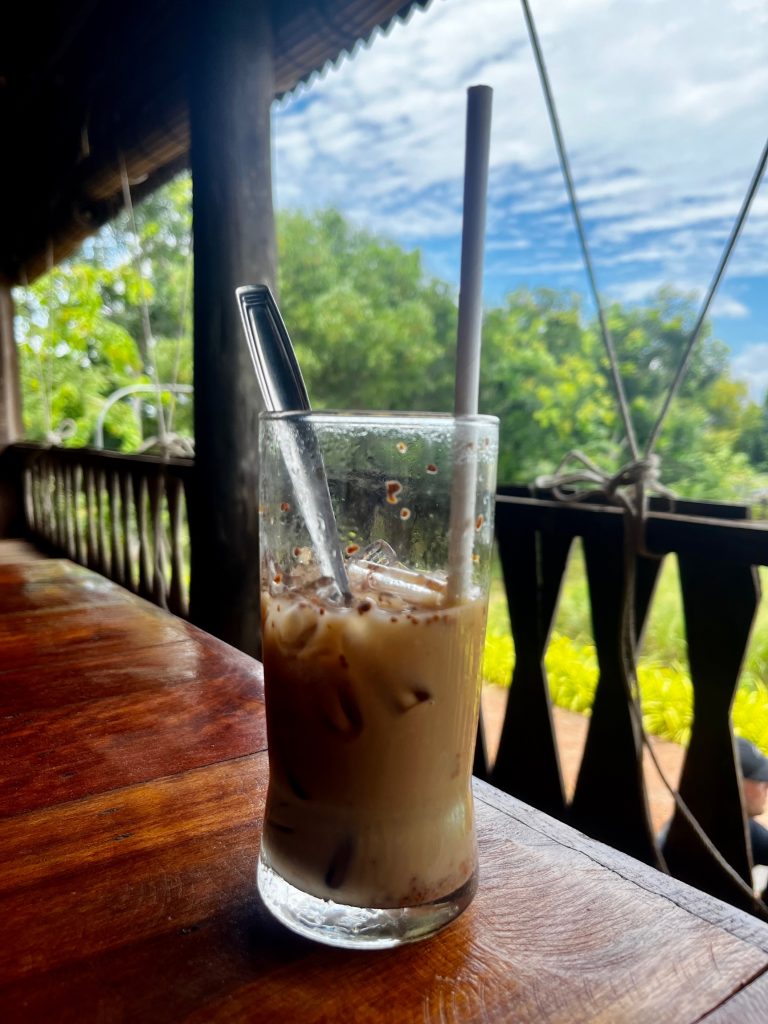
{"points": [[477, 146], [479, 99]]}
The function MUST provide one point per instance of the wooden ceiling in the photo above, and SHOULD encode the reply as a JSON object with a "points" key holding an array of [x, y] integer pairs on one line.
{"points": [[90, 83]]}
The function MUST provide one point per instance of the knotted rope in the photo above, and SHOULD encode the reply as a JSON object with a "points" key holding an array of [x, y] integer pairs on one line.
{"points": [[632, 484], [629, 488]]}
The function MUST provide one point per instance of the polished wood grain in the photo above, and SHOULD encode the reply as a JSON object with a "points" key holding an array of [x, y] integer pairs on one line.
{"points": [[115, 738], [132, 789], [750, 1006], [15, 551]]}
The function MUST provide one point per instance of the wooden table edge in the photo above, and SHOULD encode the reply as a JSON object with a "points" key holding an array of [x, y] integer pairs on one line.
{"points": [[695, 902]]}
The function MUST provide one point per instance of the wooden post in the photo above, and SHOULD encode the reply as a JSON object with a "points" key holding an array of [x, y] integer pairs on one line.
{"points": [[234, 233], [10, 419], [10, 391]]}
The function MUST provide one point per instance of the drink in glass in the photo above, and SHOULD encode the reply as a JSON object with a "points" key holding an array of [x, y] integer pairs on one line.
{"points": [[372, 701]]}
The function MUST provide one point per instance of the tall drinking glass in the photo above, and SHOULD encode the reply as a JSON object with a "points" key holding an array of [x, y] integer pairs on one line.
{"points": [[372, 702]]}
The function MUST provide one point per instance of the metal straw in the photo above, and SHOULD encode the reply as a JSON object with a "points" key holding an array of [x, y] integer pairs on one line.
{"points": [[283, 390]]}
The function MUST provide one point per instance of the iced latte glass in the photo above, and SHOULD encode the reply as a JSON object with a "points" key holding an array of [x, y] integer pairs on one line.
{"points": [[372, 700]]}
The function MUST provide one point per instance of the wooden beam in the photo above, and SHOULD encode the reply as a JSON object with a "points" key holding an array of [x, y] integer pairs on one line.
{"points": [[234, 232], [718, 540], [10, 419], [83, 90], [10, 390]]}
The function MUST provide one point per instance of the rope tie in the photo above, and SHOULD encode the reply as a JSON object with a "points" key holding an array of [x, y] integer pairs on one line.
{"points": [[629, 488], [146, 328], [631, 485], [66, 429]]}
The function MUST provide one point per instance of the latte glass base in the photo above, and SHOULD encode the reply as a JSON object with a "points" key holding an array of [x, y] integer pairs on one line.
{"points": [[337, 924]]}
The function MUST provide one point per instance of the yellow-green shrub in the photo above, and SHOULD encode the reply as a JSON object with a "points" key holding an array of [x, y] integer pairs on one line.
{"points": [[666, 690]]}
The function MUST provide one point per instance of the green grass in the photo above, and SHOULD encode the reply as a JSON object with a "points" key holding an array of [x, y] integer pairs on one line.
{"points": [[665, 685]]}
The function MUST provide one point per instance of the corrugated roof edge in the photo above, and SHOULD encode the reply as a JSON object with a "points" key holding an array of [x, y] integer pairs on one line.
{"points": [[94, 194], [401, 17]]}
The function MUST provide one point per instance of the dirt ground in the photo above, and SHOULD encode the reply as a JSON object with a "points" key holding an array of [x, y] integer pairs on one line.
{"points": [[571, 730]]}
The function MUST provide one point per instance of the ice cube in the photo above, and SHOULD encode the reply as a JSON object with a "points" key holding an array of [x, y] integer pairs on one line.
{"points": [[305, 580], [294, 627], [417, 588], [377, 552]]}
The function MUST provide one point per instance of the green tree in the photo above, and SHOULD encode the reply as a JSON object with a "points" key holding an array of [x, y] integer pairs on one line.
{"points": [[370, 330], [71, 354], [81, 334], [373, 330], [753, 436], [703, 455], [541, 376]]}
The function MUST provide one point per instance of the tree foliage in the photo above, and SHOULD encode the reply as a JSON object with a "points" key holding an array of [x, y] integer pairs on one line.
{"points": [[370, 330], [373, 330], [81, 336]]}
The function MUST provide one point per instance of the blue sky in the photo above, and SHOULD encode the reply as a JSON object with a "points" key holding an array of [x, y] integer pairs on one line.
{"points": [[664, 107]]}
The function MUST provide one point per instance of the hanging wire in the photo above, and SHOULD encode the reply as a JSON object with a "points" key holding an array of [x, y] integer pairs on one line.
{"points": [[161, 544], [629, 675], [66, 428], [185, 297], [46, 369], [565, 167], [641, 472], [149, 340], [730, 245], [85, 141]]}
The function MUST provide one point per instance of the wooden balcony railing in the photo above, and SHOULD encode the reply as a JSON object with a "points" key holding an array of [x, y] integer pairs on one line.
{"points": [[123, 515], [717, 549], [126, 517]]}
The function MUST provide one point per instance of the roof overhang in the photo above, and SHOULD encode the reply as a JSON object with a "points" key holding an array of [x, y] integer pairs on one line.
{"points": [[90, 85]]}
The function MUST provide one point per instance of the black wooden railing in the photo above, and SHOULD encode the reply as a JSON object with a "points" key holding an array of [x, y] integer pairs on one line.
{"points": [[717, 549], [126, 517], [123, 515]]}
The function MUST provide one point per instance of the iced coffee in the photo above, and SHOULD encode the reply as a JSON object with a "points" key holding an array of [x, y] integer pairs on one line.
{"points": [[372, 697], [372, 712]]}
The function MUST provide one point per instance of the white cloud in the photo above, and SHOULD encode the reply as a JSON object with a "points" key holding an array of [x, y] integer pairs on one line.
{"points": [[729, 308], [680, 215], [507, 245], [724, 306], [532, 267], [662, 106], [638, 290], [751, 365]]}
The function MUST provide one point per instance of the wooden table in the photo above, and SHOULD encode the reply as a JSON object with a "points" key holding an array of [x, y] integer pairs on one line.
{"points": [[132, 787]]}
